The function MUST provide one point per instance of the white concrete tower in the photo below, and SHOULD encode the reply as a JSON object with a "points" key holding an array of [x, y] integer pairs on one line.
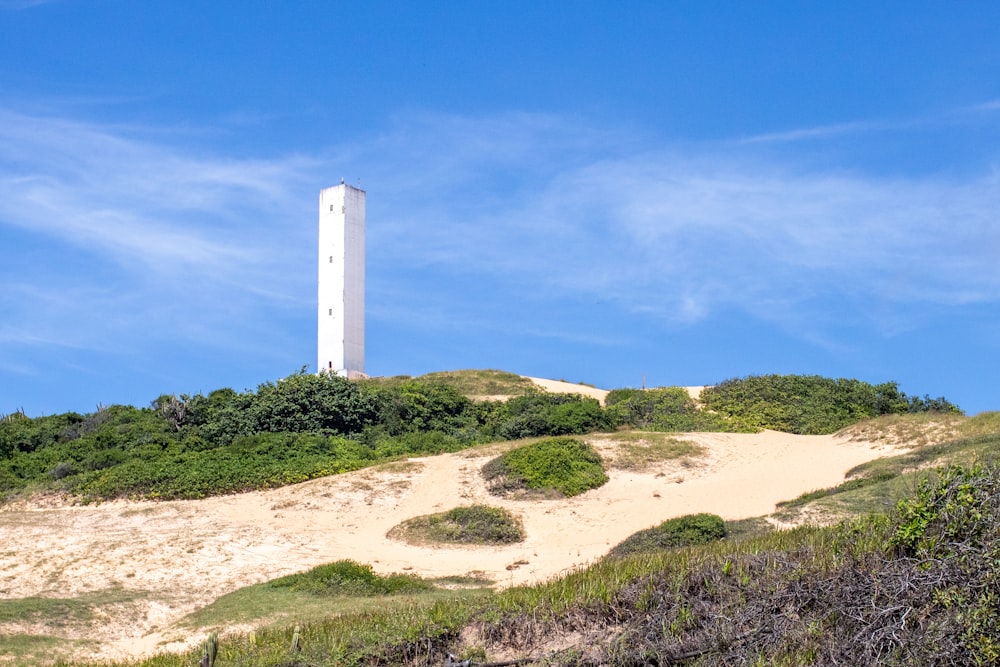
{"points": [[341, 330]]}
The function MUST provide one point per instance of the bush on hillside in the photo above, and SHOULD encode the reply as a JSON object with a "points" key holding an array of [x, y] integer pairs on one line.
{"points": [[682, 531], [809, 404], [669, 409], [470, 383], [347, 578], [564, 466], [476, 524], [540, 414]]}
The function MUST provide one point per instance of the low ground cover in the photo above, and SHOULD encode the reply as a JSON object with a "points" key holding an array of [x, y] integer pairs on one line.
{"points": [[473, 525], [911, 587], [562, 466], [682, 531]]}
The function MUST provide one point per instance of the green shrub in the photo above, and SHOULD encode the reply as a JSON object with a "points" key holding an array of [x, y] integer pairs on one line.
{"points": [[809, 404], [669, 409], [347, 578], [565, 466], [476, 524], [680, 532]]}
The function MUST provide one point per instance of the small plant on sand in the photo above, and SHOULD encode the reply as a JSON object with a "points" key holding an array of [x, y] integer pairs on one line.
{"points": [[556, 466], [477, 524], [345, 578], [680, 532]]}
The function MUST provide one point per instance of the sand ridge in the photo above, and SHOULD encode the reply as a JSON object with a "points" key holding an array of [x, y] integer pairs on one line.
{"points": [[170, 552]]}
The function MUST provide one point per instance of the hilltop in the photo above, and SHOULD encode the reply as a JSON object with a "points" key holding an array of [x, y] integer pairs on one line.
{"points": [[126, 577]]}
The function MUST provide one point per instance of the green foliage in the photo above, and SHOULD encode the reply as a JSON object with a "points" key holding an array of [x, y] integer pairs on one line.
{"points": [[682, 531], [809, 404], [417, 406], [304, 402], [539, 414], [951, 527], [566, 466], [662, 409], [471, 383], [305, 426], [476, 524], [263, 460], [918, 587], [347, 578]]}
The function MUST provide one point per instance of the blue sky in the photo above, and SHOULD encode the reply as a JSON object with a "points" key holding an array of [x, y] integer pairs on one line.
{"points": [[592, 191]]}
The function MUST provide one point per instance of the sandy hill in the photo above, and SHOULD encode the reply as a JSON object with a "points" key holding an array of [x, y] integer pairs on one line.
{"points": [[167, 554]]}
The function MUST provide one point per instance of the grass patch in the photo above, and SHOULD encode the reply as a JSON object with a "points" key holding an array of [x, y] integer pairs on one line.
{"points": [[924, 428], [64, 612], [682, 531], [266, 606], [875, 486], [556, 466], [849, 485], [911, 430], [477, 524], [746, 528], [347, 578], [27, 650], [54, 612], [471, 383], [476, 579], [642, 450]]}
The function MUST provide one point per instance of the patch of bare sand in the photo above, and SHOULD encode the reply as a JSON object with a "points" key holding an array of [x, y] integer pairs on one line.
{"points": [[170, 553]]}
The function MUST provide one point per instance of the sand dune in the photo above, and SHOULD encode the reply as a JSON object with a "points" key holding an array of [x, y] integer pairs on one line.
{"points": [[171, 552]]}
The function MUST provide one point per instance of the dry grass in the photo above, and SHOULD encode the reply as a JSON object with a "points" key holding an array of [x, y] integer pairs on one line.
{"points": [[642, 451], [474, 525], [921, 429], [910, 430]]}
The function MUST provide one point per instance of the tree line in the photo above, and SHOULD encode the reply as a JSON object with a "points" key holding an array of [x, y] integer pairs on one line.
{"points": [[306, 426]]}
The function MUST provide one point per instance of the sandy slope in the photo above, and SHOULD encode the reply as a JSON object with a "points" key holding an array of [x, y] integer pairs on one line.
{"points": [[172, 552]]}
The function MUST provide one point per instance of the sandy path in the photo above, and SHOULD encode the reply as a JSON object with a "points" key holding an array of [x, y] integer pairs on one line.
{"points": [[174, 551]]}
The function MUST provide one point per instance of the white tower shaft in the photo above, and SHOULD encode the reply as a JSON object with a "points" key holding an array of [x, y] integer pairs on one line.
{"points": [[341, 317]]}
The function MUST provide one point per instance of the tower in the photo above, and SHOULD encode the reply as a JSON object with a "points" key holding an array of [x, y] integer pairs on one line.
{"points": [[341, 316]]}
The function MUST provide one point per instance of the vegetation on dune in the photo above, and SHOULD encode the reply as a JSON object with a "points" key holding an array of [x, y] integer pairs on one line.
{"points": [[916, 586], [642, 450], [810, 404], [349, 578], [683, 531], [473, 383], [306, 426], [561, 466], [476, 525], [663, 409], [298, 428]]}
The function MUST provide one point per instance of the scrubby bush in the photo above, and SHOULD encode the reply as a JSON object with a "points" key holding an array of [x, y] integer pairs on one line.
{"points": [[668, 409], [476, 524], [809, 404], [347, 578], [540, 414], [679, 532], [565, 466]]}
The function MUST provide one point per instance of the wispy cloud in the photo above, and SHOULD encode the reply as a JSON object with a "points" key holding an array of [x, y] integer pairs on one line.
{"points": [[819, 132], [167, 235], [474, 221], [684, 232]]}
